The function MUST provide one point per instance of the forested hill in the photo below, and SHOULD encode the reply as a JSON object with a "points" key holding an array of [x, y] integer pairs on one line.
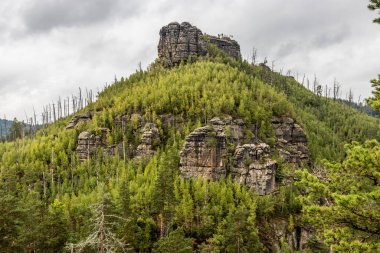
{"points": [[195, 156], [4, 127]]}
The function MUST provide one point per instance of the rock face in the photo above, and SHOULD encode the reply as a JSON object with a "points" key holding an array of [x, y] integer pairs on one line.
{"points": [[291, 141], [88, 143], [203, 154], [228, 45], [149, 139], [253, 168], [84, 117], [178, 42]]}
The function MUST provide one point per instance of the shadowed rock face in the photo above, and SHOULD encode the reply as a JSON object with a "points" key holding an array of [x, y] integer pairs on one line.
{"points": [[178, 42]]}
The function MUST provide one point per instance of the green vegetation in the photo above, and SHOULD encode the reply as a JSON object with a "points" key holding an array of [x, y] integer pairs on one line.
{"points": [[52, 202]]}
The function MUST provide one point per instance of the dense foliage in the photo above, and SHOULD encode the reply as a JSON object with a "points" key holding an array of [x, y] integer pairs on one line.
{"points": [[343, 204]]}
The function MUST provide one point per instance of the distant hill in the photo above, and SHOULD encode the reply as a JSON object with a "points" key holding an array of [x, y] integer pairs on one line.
{"points": [[4, 127]]}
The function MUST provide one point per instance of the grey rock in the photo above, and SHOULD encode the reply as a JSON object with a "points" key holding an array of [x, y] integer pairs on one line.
{"points": [[291, 141], [150, 137], [203, 154], [84, 117], [228, 45], [179, 42], [253, 168], [89, 142]]}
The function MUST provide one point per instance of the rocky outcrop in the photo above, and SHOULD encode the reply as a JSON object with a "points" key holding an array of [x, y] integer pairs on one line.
{"points": [[253, 167], [291, 141], [228, 45], [179, 42], [84, 117], [203, 154], [89, 142], [150, 138], [232, 128]]}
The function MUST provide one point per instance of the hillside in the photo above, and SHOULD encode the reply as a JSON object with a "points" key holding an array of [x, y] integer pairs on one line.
{"points": [[197, 155]]}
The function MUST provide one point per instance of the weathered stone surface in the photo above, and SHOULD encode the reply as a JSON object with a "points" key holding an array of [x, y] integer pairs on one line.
{"points": [[178, 42], [291, 141], [253, 168], [232, 128], [228, 45], [203, 154], [89, 142], [149, 139], [84, 117]]}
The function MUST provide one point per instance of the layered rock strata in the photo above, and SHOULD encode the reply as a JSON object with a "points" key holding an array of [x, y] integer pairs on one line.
{"points": [[179, 42], [291, 141]]}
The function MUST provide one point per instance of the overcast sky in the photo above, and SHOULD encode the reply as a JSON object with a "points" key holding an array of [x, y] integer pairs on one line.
{"points": [[48, 48]]}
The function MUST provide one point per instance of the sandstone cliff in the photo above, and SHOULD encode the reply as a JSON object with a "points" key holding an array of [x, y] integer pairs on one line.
{"points": [[179, 42], [204, 153]]}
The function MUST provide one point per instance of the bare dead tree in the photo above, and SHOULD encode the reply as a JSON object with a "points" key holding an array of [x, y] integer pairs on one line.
{"points": [[254, 55], [350, 97], [336, 90], [303, 80], [102, 239]]}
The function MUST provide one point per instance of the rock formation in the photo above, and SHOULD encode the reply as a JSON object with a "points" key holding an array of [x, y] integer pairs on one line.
{"points": [[253, 168], [178, 42], [149, 139], [228, 45], [84, 117], [291, 141], [89, 142], [203, 154]]}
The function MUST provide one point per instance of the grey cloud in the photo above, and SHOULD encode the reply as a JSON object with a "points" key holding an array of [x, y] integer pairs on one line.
{"points": [[86, 42], [44, 15]]}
